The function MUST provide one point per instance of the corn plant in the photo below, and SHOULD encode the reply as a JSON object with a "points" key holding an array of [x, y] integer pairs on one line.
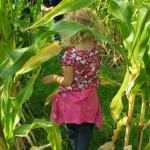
{"points": [[135, 19]]}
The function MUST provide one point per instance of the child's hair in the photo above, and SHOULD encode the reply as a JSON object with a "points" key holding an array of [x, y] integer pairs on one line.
{"points": [[86, 17]]}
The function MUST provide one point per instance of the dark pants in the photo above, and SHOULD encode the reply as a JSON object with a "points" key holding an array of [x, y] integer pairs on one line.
{"points": [[80, 135]]}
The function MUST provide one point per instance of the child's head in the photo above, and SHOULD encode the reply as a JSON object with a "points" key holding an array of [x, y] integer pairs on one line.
{"points": [[86, 17]]}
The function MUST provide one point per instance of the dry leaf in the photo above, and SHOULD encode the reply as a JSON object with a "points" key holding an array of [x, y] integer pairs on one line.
{"points": [[107, 146], [35, 148], [129, 147]]}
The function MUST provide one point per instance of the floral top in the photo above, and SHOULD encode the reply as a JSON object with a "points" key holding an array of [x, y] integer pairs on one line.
{"points": [[86, 64]]}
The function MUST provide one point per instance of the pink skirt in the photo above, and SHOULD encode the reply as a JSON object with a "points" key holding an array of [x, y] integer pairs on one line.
{"points": [[77, 107]]}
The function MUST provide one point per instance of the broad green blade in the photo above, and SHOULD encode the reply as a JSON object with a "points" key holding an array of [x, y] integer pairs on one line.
{"points": [[142, 44], [26, 92], [122, 9], [16, 112], [16, 54], [105, 80], [116, 104], [2, 53], [19, 63], [143, 16], [62, 8], [54, 136], [42, 55], [147, 147], [5, 23], [4, 104]]}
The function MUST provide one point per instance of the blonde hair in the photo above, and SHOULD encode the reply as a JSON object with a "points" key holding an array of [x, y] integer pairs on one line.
{"points": [[86, 17]]}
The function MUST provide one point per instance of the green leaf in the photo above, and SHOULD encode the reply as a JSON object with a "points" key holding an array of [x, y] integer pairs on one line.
{"points": [[106, 80], [147, 147], [142, 44], [26, 92], [5, 23], [5, 107], [54, 136], [62, 8], [70, 28], [19, 62], [16, 54], [143, 16], [42, 55], [2, 53], [116, 104], [122, 9], [16, 112]]}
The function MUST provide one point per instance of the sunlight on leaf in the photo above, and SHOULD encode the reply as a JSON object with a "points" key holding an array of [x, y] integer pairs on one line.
{"points": [[129, 147], [147, 147], [105, 80], [116, 104], [107, 146], [43, 55], [9, 71], [135, 71], [35, 148], [119, 126]]}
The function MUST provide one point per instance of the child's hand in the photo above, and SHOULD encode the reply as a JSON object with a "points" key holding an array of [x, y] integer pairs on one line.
{"points": [[47, 79]]}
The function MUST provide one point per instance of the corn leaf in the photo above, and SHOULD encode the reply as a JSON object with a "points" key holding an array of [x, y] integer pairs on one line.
{"points": [[70, 28], [105, 80], [120, 123], [26, 92], [2, 53], [107, 146], [142, 17], [147, 147], [5, 72], [5, 23], [129, 147], [16, 54], [42, 55], [116, 104], [122, 9], [50, 96], [54, 136], [5, 107], [140, 48], [62, 8]]}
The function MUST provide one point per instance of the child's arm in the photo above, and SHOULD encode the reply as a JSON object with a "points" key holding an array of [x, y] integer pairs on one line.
{"points": [[65, 80]]}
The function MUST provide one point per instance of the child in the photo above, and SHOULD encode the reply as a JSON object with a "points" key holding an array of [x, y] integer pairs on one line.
{"points": [[76, 103]]}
